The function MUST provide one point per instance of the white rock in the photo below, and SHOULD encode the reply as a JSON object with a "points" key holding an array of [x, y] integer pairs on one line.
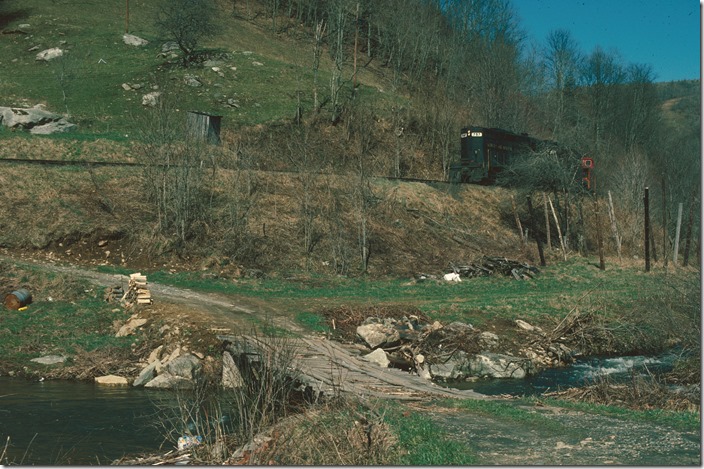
{"points": [[50, 54], [524, 325], [379, 357], [132, 40], [111, 380], [49, 360], [150, 99]]}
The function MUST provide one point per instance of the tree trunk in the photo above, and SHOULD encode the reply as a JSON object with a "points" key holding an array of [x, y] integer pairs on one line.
{"points": [[537, 238]]}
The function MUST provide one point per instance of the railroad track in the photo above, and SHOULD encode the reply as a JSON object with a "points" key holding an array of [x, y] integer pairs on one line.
{"points": [[93, 163]]}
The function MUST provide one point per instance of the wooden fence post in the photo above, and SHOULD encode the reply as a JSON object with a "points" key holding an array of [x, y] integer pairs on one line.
{"points": [[664, 223], [677, 234], [532, 228], [646, 208], [559, 231], [614, 227], [547, 222], [518, 219], [688, 241], [599, 239]]}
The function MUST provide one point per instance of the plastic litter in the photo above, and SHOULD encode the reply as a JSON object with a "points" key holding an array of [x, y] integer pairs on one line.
{"points": [[188, 441]]}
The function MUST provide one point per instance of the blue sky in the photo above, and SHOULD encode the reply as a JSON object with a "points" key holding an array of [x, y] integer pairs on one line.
{"points": [[662, 33]]}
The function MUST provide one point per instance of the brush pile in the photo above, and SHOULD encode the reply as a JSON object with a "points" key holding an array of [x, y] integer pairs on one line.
{"points": [[487, 266]]}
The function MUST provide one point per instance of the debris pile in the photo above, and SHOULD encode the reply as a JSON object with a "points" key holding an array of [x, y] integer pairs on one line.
{"points": [[496, 265], [114, 294]]}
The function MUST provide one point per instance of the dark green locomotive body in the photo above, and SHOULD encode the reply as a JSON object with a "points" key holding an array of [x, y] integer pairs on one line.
{"points": [[484, 152]]}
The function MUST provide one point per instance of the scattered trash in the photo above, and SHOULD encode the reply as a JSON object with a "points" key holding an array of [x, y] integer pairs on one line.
{"points": [[17, 299], [452, 277], [188, 441]]}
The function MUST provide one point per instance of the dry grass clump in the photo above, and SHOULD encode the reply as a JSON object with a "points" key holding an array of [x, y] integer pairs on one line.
{"points": [[340, 433], [640, 393]]}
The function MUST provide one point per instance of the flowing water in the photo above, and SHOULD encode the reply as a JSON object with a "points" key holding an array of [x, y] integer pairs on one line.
{"points": [[583, 372], [62, 422]]}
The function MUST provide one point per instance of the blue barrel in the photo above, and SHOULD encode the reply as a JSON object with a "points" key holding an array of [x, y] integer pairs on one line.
{"points": [[18, 299]]}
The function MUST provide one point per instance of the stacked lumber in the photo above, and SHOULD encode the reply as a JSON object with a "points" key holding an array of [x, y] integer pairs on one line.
{"points": [[137, 292], [496, 265]]}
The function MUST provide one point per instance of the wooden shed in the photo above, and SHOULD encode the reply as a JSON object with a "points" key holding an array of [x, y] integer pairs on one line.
{"points": [[204, 126]]}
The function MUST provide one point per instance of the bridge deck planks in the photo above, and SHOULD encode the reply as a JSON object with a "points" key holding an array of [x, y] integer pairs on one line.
{"points": [[331, 368]]}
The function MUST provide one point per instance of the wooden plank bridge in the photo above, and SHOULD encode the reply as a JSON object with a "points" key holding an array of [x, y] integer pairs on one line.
{"points": [[331, 368]]}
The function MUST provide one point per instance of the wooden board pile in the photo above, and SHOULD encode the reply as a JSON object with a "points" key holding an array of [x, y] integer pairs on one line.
{"points": [[114, 294], [137, 292], [496, 265]]}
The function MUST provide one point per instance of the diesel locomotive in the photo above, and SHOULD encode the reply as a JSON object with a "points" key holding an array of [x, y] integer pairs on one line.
{"points": [[485, 152]]}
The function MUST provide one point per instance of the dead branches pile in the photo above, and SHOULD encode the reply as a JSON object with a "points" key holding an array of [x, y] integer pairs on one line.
{"points": [[496, 265], [641, 393]]}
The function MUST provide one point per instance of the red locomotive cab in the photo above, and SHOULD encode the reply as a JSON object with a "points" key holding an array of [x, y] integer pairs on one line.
{"points": [[587, 166]]}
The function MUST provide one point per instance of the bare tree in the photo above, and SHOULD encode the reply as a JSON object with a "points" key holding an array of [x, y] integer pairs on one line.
{"points": [[174, 173], [308, 163], [187, 22], [561, 59], [601, 75], [317, 52]]}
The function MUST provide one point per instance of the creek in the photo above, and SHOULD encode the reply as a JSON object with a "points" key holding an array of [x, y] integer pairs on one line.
{"points": [[581, 373], [76, 423]]}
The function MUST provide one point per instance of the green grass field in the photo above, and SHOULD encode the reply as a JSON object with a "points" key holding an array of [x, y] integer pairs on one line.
{"points": [[577, 283], [265, 75]]}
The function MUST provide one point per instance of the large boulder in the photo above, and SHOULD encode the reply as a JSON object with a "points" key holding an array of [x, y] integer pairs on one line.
{"points": [[378, 335], [169, 381], [186, 366], [453, 369], [495, 365], [231, 376], [147, 374], [35, 119], [461, 366]]}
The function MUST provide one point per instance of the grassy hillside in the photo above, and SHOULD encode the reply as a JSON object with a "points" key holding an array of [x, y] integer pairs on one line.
{"points": [[263, 74], [257, 80]]}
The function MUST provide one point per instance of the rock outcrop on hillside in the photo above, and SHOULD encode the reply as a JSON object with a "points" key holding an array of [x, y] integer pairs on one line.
{"points": [[35, 119]]}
